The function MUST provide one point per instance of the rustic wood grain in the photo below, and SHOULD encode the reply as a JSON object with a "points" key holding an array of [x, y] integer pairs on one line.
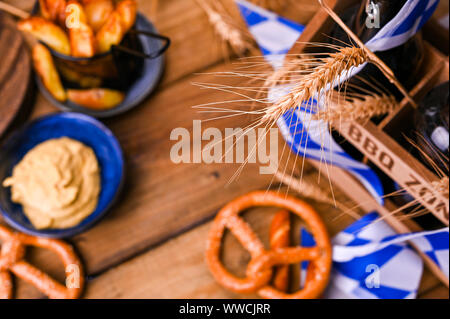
{"points": [[429, 283], [177, 269], [161, 198], [14, 73]]}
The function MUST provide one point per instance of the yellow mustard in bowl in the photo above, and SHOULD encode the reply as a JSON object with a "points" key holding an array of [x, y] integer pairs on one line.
{"points": [[57, 183]]}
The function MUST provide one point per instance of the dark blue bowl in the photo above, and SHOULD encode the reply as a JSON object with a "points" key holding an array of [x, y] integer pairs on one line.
{"points": [[79, 127]]}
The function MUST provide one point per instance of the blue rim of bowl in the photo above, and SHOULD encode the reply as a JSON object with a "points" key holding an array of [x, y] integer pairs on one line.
{"points": [[73, 231], [69, 106]]}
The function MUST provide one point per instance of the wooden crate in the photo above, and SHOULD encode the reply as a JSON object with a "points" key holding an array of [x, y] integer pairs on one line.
{"points": [[400, 223], [379, 142], [435, 31]]}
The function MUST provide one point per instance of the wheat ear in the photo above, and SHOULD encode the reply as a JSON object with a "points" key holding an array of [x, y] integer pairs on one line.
{"points": [[357, 108], [322, 77], [13, 10], [309, 190], [154, 9], [274, 5], [225, 30]]}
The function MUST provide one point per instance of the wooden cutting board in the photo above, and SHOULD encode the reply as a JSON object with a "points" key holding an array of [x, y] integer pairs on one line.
{"points": [[15, 71]]}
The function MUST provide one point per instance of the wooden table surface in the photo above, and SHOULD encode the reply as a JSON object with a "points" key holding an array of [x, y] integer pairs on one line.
{"points": [[15, 75], [151, 244]]}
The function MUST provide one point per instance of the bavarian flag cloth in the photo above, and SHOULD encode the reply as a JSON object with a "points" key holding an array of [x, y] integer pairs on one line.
{"points": [[370, 259]]}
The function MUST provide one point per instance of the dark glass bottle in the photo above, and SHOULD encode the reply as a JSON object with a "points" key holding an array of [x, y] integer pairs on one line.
{"points": [[404, 60]]}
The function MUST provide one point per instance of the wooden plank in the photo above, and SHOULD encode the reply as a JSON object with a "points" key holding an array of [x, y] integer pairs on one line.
{"points": [[355, 191], [144, 135], [177, 269], [26, 5], [142, 208], [436, 30], [162, 198], [428, 283], [439, 292], [14, 73], [434, 67], [195, 46]]}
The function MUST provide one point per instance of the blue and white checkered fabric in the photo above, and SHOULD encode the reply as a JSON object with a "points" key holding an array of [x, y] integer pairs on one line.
{"points": [[314, 141], [371, 261], [275, 35]]}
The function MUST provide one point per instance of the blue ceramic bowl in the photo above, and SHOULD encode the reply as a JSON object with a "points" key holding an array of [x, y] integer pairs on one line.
{"points": [[79, 127]]}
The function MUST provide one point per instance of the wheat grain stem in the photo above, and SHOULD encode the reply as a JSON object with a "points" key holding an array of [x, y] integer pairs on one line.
{"points": [[309, 190], [224, 29], [372, 56], [321, 78], [357, 108]]}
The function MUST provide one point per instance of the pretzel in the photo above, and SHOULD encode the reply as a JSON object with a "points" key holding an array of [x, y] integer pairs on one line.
{"points": [[12, 261], [280, 228], [259, 270]]}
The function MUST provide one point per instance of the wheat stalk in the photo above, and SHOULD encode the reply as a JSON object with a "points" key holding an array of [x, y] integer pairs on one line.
{"points": [[13, 10], [371, 56], [289, 72], [308, 190], [224, 29], [357, 108], [274, 5], [442, 186], [322, 77]]}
